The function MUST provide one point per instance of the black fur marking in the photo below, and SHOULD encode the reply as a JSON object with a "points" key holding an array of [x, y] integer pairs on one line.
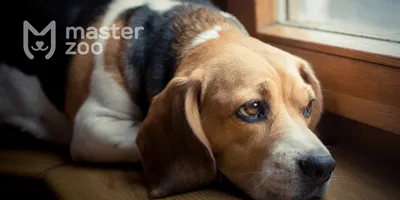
{"points": [[151, 57], [51, 73]]}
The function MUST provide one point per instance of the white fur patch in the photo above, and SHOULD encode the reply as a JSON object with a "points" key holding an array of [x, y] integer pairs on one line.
{"points": [[297, 137], [24, 104], [225, 14], [107, 123], [210, 34], [163, 5], [236, 21]]}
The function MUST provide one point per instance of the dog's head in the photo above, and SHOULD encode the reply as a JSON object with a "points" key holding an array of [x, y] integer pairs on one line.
{"points": [[241, 107]]}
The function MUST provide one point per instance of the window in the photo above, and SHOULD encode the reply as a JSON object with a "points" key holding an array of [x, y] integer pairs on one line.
{"points": [[367, 18]]}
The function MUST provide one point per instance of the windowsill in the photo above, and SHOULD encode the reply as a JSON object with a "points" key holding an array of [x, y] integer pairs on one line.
{"points": [[359, 48]]}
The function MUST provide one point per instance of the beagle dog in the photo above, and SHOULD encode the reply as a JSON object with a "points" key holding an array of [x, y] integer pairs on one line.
{"points": [[190, 96]]}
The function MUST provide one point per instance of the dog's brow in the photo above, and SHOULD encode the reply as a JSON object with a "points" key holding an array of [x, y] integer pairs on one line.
{"points": [[263, 88], [310, 91]]}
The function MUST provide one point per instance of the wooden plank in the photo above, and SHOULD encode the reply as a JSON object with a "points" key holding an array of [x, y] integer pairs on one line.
{"points": [[27, 163], [75, 183], [245, 13], [360, 48], [369, 112], [265, 12], [253, 13]]}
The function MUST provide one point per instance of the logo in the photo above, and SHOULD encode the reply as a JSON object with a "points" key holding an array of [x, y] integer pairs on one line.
{"points": [[39, 45], [75, 36]]}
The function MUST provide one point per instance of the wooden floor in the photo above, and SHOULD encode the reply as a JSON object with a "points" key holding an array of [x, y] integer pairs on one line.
{"points": [[356, 178]]}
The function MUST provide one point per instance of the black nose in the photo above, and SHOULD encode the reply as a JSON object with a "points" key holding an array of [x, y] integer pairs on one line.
{"points": [[319, 166]]}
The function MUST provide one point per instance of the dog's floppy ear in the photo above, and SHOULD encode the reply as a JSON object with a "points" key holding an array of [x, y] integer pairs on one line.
{"points": [[308, 75], [175, 152]]}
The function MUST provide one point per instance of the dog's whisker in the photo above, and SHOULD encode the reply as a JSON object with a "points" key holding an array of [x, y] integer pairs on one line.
{"points": [[330, 148], [258, 185], [247, 173]]}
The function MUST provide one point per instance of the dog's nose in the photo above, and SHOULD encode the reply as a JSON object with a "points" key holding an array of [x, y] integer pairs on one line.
{"points": [[318, 165]]}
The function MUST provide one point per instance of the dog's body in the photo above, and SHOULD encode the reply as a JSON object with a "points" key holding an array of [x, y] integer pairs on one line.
{"points": [[138, 68], [117, 105]]}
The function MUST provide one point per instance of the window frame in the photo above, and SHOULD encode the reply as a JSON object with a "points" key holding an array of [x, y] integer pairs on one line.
{"points": [[265, 21], [283, 15]]}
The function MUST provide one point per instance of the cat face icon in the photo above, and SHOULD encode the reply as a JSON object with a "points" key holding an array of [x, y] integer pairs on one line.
{"points": [[39, 45]]}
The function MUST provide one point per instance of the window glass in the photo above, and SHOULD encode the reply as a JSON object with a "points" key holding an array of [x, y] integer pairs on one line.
{"points": [[374, 18]]}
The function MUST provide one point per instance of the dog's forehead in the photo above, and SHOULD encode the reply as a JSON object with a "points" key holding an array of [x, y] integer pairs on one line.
{"points": [[250, 52], [254, 60], [236, 60]]}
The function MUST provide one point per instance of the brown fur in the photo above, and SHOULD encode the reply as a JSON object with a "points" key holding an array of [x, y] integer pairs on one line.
{"points": [[189, 25], [114, 56], [225, 73], [78, 82], [163, 161]]}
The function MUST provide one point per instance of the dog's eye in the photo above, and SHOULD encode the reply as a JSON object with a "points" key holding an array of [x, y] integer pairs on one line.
{"points": [[308, 110], [253, 111]]}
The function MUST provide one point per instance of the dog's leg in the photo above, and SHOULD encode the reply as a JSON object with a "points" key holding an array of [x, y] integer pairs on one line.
{"points": [[104, 135], [107, 122]]}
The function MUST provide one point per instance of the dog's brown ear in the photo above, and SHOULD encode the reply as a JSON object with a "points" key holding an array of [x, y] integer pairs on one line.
{"points": [[308, 75], [175, 152]]}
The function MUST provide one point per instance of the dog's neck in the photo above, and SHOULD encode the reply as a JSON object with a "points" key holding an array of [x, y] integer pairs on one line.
{"points": [[166, 38]]}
